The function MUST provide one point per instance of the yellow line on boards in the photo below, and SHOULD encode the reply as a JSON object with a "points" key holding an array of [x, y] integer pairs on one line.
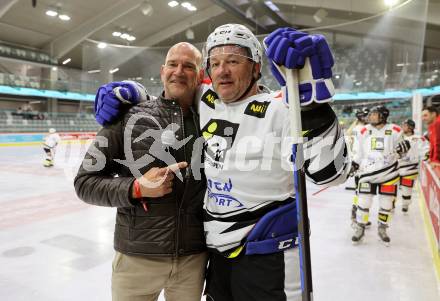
{"points": [[429, 231]]}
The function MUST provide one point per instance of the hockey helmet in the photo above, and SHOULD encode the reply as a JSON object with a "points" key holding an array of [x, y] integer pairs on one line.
{"points": [[233, 34], [382, 111], [52, 131], [410, 123], [362, 113]]}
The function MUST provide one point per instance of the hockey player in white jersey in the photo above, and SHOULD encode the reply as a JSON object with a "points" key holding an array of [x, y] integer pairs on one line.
{"points": [[377, 150], [361, 120], [409, 163], [350, 135], [352, 132], [49, 146], [249, 208], [250, 193]]}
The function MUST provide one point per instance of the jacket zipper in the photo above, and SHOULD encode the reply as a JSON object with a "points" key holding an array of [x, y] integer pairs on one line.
{"points": [[187, 173], [182, 125]]}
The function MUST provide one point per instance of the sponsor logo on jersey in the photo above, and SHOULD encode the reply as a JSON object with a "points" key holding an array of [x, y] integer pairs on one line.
{"points": [[364, 187], [219, 137], [219, 186], [377, 143], [209, 98], [218, 192], [388, 132], [257, 109]]}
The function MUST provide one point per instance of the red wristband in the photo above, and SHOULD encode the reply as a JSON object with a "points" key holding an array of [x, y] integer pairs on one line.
{"points": [[137, 189], [138, 194]]}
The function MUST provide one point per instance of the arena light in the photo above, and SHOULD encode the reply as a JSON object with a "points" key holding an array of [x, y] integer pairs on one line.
{"points": [[390, 3], [64, 17], [173, 3], [250, 13], [320, 15], [113, 70], [116, 33], [272, 6], [146, 8], [189, 34], [54, 68], [94, 71], [131, 38], [66, 61], [102, 45], [188, 6], [51, 13]]}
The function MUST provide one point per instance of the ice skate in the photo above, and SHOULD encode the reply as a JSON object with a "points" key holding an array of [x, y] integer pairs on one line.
{"points": [[383, 236], [47, 163], [359, 233]]}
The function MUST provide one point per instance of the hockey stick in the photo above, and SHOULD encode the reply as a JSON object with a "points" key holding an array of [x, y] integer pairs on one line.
{"points": [[319, 191], [300, 183]]}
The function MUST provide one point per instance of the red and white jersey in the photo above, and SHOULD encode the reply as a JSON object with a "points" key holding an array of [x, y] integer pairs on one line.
{"points": [[375, 152]]}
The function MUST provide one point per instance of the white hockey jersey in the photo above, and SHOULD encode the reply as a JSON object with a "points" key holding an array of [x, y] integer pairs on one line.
{"points": [[375, 152], [248, 163], [409, 163], [51, 140], [354, 135]]}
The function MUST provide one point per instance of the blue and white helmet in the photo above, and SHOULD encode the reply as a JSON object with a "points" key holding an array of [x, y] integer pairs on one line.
{"points": [[233, 34]]}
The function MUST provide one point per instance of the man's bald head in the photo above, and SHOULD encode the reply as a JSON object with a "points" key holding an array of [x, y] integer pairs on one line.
{"points": [[182, 74], [185, 46]]}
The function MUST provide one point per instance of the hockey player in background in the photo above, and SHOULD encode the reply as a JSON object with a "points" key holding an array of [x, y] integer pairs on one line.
{"points": [[50, 143], [352, 132], [361, 120], [377, 149], [409, 163]]}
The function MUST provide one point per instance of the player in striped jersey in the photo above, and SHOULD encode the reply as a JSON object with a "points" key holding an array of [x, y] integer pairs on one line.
{"points": [[409, 163]]}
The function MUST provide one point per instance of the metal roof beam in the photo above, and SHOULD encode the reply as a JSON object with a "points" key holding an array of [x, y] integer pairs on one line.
{"points": [[5, 6], [235, 11], [66, 42], [198, 18]]}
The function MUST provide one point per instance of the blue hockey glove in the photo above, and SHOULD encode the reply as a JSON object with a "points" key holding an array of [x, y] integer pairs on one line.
{"points": [[112, 96], [310, 54], [288, 47], [315, 83]]}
